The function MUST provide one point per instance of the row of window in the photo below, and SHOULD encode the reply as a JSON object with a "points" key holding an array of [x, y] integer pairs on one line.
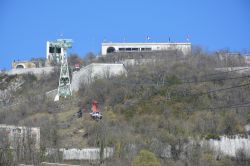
{"points": [[134, 49]]}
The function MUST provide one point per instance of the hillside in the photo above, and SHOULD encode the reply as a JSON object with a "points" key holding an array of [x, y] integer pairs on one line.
{"points": [[167, 103]]}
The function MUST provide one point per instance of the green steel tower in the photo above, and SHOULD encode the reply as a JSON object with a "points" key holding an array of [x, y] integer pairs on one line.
{"points": [[64, 87]]}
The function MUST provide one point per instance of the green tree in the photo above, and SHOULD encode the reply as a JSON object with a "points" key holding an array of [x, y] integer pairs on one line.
{"points": [[145, 158]]}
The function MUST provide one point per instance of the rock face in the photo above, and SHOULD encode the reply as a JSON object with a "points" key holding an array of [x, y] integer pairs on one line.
{"points": [[8, 86], [96, 70]]}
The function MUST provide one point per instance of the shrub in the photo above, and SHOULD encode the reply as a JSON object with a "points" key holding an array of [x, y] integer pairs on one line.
{"points": [[145, 158], [212, 136]]}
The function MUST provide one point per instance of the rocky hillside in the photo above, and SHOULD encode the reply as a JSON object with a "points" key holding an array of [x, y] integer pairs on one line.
{"points": [[164, 104]]}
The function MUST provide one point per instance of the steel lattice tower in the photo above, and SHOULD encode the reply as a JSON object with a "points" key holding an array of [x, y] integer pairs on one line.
{"points": [[64, 87]]}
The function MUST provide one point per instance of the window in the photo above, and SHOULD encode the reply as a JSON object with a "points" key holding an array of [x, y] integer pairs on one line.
{"points": [[128, 49], [146, 49], [135, 49], [53, 49], [17, 130], [121, 49], [58, 50], [110, 50]]}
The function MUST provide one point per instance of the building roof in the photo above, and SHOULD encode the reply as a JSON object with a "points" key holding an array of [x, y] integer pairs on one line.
{"points": [[145, 43]]}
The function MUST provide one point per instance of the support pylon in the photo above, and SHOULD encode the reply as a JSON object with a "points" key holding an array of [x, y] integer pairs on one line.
{"points": [[64, 87]]}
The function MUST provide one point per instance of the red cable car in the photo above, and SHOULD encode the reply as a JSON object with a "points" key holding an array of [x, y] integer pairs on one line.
{"points": [[77, 67], [95, 114]]}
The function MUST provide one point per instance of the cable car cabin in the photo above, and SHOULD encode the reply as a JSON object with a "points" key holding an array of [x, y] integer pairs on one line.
{"points": [[77, 67], [95, 114]]}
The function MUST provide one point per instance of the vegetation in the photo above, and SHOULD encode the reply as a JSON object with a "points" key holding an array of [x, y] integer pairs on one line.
{"points": [[145, 158], [149, 115]]}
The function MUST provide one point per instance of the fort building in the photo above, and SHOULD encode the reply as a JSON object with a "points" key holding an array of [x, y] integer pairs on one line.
{"points": [[26, 64], [108, 48]]}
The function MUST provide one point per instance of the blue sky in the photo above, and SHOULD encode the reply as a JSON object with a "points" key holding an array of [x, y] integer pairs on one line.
{"points": [[26, 25]]}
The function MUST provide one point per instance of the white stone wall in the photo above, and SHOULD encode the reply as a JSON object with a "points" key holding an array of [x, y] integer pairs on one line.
{"points": [[95, 70], [132, 62], [230, 145], [86, 154], [240, 70], [35, 71], [51, 164]]}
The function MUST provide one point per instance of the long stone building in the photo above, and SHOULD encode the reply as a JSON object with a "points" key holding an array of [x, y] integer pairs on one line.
{"points": [[108, 48]]}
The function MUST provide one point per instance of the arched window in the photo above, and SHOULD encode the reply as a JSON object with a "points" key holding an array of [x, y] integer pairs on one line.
{"points": [[19, 67], [110, 50]]}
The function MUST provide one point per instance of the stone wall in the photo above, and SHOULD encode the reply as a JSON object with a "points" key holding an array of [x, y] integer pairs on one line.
{"points": [[96, 70], [82, 154], [35, 71], [230, 145], [86, 154]]}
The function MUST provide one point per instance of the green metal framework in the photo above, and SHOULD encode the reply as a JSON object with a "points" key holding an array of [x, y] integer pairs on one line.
{"points": [[64, 87]]}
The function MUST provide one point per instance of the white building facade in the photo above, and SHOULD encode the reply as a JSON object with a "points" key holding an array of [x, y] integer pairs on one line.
{"points": [[108, 48]]}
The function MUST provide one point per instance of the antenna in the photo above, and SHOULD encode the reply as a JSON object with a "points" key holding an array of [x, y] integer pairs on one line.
{"points": [[188, 38]]}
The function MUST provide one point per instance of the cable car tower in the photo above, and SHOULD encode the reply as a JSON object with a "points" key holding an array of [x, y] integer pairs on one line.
{"points": [[64, 87]]}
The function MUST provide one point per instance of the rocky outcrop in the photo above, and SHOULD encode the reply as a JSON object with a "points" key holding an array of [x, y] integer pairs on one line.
{"points": [[8, 87]]}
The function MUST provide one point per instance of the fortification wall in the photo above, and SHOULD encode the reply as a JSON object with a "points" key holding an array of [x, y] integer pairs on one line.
{"points": [[35, 71], [96, 70]]}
